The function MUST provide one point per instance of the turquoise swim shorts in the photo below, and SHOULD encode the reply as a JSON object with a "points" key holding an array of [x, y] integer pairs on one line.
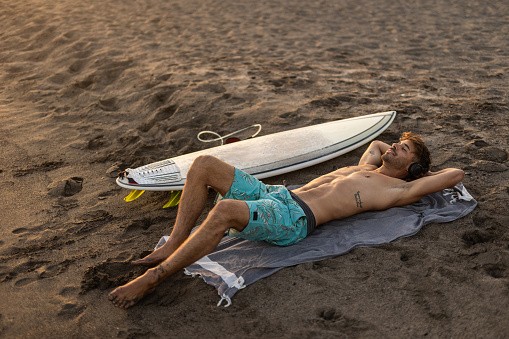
{"points": [[274, 216]]}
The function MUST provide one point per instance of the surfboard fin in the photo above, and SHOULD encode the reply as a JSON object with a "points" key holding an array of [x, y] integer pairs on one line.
{"points": [[133, 195], [174, 199]]}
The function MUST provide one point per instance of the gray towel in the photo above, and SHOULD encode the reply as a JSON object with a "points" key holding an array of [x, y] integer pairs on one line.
{"points": [[236, 263]]}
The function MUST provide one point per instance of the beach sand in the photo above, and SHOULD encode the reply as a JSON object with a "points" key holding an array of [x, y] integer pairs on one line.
{"points": [[88, 88]]}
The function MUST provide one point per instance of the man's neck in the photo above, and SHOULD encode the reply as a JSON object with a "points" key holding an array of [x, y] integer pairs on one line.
{"points": [[392, 172]]}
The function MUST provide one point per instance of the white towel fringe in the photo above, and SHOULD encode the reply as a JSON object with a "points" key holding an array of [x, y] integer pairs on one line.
{"points": [[228, 300], [239, 285]]}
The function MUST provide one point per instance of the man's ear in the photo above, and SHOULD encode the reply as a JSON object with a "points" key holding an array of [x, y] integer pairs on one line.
{"points": [[415, 170]]}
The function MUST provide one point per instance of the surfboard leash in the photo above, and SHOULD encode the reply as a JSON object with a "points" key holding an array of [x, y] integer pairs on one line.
{"points": [[227, 138]]}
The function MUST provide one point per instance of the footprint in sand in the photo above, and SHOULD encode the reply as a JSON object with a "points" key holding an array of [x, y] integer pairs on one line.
{"points": [[496, 271], [71, 310], [491, 153], [162, 113], [488, 166], [24, 281], [4, 273], [108, 274], [89, 221], [20, 230], [53, 270], [109, 104], [29, 266], [23, 268], [91, 216], [65, 188], [328, 314], [475, 237], [43, 167], [69, 291], [140, 224]]}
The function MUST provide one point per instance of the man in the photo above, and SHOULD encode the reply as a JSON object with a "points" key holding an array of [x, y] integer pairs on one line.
{"points": [[252, 210]]}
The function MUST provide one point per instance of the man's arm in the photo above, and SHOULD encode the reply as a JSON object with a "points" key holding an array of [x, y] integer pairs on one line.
{"points": [[430, 183], [373, 155]]}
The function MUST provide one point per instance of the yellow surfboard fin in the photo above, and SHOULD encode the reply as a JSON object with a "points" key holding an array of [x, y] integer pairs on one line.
{"points": [[133, 195], [174, 199]]}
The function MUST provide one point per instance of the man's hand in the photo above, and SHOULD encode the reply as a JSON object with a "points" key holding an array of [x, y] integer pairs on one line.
{"points": [[373, 155]]}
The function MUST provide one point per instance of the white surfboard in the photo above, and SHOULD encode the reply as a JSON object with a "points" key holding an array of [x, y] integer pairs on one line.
{"points": [[268, 155]]}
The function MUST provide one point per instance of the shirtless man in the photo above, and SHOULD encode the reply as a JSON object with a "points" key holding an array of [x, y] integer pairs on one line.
{"points": [[378, 182]]}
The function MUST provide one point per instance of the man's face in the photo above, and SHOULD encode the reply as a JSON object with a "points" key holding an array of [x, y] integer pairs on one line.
{"points": [[400, 155]]}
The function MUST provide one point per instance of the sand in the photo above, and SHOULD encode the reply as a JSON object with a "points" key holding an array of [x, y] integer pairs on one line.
{"points": [[91, 87]]}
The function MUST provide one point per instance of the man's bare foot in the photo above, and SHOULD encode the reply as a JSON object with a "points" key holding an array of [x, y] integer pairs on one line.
{"points": [[129, 294], [156, 257]]}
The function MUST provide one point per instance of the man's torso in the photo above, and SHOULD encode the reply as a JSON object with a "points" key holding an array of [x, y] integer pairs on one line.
{"points": [[350, 190]]}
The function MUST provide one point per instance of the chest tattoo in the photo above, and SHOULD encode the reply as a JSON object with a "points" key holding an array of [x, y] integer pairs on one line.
{"points": [[358, 199]]}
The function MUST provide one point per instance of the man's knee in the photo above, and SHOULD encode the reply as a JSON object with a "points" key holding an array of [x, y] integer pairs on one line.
{"points": [[204, 162], [212, 172], [202, 166]]}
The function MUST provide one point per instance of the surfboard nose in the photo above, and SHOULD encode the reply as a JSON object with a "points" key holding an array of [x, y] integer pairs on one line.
{"points": [[124, 178]]}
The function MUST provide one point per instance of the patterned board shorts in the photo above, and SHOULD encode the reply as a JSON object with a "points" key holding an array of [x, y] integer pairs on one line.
{"points": [[274, 216]]}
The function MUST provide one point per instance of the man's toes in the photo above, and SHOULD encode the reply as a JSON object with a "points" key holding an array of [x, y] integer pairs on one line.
{"points": [[127, 304], [119, 303], [113, 294]]}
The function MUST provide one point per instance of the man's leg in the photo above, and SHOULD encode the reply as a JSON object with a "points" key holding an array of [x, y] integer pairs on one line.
{"points": [[204, 172], [226, 214]]}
